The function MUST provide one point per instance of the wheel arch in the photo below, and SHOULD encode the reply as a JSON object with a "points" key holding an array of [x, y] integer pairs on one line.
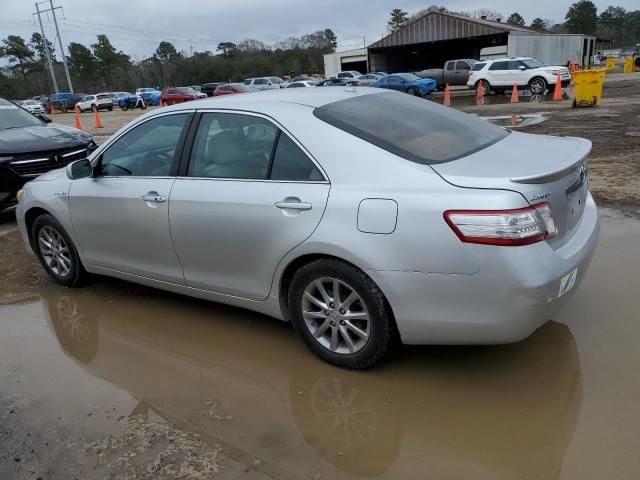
{"points": [[297, 263], [30, 217]]}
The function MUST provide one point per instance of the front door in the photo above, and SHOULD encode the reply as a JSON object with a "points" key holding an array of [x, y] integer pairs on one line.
{"points": [[121, 215], [249, 195]]}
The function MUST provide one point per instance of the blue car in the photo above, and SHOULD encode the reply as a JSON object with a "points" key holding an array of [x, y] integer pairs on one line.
{"points": [[151, 96], [408, 83]]}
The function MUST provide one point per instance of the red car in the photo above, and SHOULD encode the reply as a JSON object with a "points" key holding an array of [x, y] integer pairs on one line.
{"points": [[230, 89], [173, 95]]}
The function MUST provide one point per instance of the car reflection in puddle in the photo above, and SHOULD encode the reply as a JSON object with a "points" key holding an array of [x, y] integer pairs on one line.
{"points": [[245, 382]]}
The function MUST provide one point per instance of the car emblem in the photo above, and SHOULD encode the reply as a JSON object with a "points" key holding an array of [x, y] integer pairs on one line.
{"points": [[540, 196]]}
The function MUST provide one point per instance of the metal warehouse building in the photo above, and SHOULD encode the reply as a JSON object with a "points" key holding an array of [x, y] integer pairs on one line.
{"points": [[438, 36]]}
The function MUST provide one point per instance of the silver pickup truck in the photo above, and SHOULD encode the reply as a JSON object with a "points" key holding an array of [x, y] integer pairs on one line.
{"points": [[455, 72]]}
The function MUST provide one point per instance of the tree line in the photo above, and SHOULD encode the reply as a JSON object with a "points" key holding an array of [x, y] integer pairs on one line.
{"points": [[101, 67], [613, 23]]}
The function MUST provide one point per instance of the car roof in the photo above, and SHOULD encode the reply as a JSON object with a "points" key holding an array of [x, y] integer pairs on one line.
{"points": [[506, 59], [269, 100]]}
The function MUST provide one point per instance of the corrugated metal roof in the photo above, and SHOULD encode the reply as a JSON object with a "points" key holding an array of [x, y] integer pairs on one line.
{"points": [[435, 26]]}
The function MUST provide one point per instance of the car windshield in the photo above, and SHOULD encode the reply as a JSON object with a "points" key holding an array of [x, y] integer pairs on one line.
{"points": [[410, 77], [531, 63], [419, 131], [12, 116]]}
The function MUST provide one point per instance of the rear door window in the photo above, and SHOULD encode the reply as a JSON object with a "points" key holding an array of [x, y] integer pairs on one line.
{"points": [[291, 163], [462, 66], [419, 131], [499, 66]]}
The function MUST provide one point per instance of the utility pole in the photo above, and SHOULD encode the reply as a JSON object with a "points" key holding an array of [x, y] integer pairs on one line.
{"points": [[55, 22], [46, 51]]}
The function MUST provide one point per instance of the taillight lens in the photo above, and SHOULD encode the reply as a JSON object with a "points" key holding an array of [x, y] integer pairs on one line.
{"points": [[523, 226]]}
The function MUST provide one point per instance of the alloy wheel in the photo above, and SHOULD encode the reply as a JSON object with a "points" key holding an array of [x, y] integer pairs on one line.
{"points": [[55, 251], [537, 86], [336, 316]]}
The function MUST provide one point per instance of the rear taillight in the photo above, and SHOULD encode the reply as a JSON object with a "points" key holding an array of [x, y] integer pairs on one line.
{"points": [[523, 226]]}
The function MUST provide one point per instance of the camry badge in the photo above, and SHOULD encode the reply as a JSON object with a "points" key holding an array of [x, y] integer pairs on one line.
{"points": [[540, 196]]}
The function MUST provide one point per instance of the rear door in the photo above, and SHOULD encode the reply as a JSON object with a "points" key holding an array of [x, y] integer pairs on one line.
{"points": [[499, 74], [395, 83], [461, 73], [247, 194]]}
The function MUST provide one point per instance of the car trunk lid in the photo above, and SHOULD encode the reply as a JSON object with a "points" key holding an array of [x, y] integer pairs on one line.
{"points": [[540, 168]]}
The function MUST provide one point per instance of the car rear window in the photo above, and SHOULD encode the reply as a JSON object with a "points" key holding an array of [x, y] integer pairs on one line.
{"points": [[412, 128], [478, 66]]}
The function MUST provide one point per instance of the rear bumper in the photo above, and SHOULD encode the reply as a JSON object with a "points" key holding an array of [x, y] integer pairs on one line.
{"points": [[514, 293]]}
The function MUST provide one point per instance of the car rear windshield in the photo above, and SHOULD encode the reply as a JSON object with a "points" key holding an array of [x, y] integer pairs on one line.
{"points": [[412, 128], [478, 66]]}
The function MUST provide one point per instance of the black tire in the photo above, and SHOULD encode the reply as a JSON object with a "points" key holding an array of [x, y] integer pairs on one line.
{"points": [[381, 324], [77, 274], [538, 85], [486, 87], [413, 91], [110, 109], [124, 107]]}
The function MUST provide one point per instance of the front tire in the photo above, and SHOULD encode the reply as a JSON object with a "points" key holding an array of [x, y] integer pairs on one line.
{"points": [[56, 252], [537, 85], [340, 314]]}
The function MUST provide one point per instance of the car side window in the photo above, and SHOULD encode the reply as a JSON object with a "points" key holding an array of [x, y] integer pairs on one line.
{"points": [[231, 145], [450, 65], [291, 163], [395, 80], [147, 150], [498, 66], [462, 66], [514, 65]]}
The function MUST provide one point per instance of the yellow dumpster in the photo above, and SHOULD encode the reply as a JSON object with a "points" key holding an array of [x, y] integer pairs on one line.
{"points": [[588, 85], [611, 64], [628, 65]]}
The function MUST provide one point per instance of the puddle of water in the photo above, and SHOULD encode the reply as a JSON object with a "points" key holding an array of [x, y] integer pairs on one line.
{"points": [[244, 381], [494, 99]]}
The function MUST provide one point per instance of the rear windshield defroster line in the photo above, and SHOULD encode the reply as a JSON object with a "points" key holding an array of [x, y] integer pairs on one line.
{"points": [[413, 128]]}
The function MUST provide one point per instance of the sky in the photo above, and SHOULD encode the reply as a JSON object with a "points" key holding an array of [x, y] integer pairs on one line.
{"points": [[138, 26]]}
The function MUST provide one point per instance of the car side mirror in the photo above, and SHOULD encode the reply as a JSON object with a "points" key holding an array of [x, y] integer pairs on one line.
{"points": [[79, 169], [45, 118], [522, 67]]}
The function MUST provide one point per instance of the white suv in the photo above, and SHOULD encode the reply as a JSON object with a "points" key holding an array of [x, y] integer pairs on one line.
{"points": [[263, 83], [100, 101], [501, 74]]}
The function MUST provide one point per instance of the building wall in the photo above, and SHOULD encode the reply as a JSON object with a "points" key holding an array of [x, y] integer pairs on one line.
{"points": [[334, 62], [551, 49]]}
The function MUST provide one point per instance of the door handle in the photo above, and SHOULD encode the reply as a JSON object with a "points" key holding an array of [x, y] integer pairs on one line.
{"points": [[154, 197], [293, 205]]}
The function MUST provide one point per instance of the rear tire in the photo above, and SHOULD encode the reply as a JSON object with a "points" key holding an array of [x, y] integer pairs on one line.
{"points": [[486, 87], [413, 91], [356, 329], [56, 252]]}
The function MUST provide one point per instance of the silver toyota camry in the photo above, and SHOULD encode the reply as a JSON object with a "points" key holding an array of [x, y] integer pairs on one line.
{"points": [[360, 216]]}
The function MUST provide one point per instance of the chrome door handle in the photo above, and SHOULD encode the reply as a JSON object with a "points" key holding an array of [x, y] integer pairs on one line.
{"points": [[293, 206], [154, 198]]}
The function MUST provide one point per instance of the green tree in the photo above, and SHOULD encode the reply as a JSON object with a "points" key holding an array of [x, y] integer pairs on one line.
{"points": [[515, 19], [83, 65], [332, 39], [167, 57], [582, 17], [16, 50], [398, 19], [37, 44], [538, 23], [227, 48], [113, 66]]}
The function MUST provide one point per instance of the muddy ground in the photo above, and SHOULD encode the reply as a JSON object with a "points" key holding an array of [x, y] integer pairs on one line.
{"points": [[119, 381]]}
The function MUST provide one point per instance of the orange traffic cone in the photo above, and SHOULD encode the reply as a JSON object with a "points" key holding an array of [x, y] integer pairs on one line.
{"points": [[514, 94], [514, 120], [479, 94], [161, 104], [557, 92], [447, 95], [76, 109], [97, 118], [52, 110], [78, 124]]}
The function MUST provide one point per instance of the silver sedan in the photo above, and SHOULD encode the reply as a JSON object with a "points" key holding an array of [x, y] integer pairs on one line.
{"points": [[362, 216]]}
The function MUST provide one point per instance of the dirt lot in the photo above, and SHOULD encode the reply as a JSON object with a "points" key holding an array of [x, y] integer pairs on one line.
{"points": [[119, 381]]}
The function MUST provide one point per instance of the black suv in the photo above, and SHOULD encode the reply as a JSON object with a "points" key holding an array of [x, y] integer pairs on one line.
{"points": [[30, 146]]}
